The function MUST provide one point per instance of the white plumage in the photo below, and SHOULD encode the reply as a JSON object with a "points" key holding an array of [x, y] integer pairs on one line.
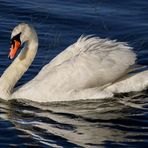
{"points": [[91, 68]]}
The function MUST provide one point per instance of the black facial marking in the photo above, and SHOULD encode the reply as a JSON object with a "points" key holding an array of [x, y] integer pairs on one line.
{"points": [[17, 38]]}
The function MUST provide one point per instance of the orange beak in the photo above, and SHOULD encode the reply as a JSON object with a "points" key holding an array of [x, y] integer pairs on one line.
{"points": [[14, 48]]}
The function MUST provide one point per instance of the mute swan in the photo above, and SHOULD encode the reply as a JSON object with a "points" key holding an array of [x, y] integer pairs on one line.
{"points": [[91, 68]]}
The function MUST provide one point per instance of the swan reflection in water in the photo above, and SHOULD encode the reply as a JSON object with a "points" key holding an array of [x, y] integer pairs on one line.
{"points": [[91, 123]]}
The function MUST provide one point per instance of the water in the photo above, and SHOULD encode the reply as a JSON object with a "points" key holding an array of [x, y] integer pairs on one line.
{"points": [[118, 122]]}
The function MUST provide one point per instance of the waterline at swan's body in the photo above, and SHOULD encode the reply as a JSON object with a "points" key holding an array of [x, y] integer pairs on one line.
{"points": [[91, 68]]}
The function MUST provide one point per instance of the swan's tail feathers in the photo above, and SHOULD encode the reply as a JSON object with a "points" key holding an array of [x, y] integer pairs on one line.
{"points": [[132, 70], [133, 83]]}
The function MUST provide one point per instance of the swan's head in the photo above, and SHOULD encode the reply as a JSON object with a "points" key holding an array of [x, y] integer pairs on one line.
{"points": [[20, 34]]}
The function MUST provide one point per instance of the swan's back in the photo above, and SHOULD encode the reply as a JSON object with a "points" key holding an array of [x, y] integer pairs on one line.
{"points": [[90, 62]]}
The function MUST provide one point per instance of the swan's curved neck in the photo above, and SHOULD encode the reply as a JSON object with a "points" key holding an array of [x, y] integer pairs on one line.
{"points": [[19, 66]]}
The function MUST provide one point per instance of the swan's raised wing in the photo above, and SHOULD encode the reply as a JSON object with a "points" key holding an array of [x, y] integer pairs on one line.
{"points": [[106, 58], [90, 62]]}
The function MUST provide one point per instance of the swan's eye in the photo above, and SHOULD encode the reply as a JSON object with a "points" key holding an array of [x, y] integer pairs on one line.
{"points": [[15, 38], [12, 43]]}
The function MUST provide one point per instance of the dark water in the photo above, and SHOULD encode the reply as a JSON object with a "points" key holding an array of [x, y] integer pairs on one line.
{"points": [[118, 122]]}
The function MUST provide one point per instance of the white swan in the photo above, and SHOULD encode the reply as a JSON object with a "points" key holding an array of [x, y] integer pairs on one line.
{"points": [[91, 68]]}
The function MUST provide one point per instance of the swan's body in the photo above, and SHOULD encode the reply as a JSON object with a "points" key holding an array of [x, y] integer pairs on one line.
{"points": [[91, 68]]}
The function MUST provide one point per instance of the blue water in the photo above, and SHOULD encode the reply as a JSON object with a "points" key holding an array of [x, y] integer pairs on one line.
{"points": [[118, 122]]}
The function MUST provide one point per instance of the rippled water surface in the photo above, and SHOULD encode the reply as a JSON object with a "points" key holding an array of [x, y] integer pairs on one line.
{"points": [[121, 121]]}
